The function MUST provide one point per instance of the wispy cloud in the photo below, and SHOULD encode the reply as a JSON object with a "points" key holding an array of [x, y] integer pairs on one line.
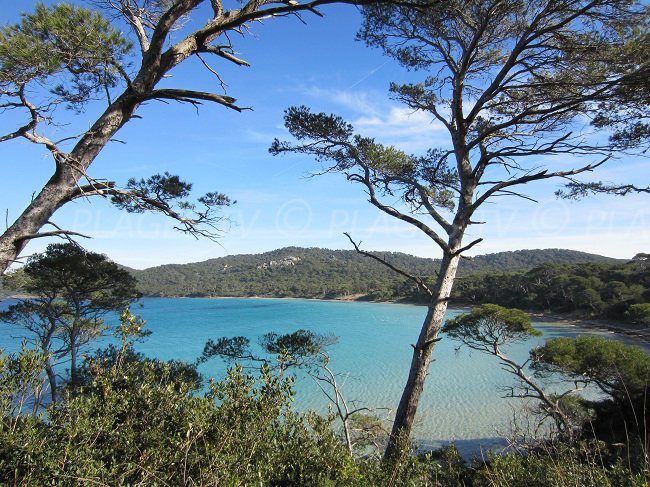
{"points": [[354, 101], [407, 129], [373, 114]]}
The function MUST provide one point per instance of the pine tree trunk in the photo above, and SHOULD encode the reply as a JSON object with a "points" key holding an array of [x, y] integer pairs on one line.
{"points": [[74, 348], [51, 377], [53, 195], [422, 351]]}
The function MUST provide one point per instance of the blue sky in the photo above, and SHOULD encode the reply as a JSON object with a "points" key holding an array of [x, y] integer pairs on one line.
{"points": [[318, 64]]}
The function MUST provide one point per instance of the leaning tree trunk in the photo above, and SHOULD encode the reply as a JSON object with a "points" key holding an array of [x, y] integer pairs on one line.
{"points": [[53, 195], [422, 351]]}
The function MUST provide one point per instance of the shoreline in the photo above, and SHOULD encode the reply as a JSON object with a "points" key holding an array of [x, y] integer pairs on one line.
{"points": [[605, 326], [625, 330]]}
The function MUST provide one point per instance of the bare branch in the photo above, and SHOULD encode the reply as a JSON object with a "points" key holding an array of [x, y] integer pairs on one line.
{"points": [[394, 212], [53, 233], [219, 51], [469, 246], [28, 127], [209, 68], [534, 177], [190, 96], [217, 8], [418, 281]]}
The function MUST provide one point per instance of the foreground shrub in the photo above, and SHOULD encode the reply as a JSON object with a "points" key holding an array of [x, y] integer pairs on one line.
{"points": [[578, 465], [135, 426]]}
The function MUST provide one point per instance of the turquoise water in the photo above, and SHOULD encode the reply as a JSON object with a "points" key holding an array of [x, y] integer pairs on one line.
{"points": [[462, 400]]}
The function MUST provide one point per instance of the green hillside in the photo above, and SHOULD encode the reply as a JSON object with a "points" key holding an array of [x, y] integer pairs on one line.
{"points": [[323, 273]]}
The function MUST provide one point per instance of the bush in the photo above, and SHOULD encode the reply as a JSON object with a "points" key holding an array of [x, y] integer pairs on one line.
{"points": [[134, 425], [639, 314], [580, 465]]}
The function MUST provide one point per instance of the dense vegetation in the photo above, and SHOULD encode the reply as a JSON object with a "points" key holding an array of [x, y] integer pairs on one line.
{"points": [[71, 291], [123, 418], [621, 291], [322, 273]]}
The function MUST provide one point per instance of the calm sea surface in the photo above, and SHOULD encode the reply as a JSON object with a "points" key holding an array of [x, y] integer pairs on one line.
{"points": [[462, 400]]}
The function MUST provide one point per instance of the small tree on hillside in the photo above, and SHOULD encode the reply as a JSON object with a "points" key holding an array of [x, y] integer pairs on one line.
{"points": [[510, 81], [72, 292], [640, 314], [620, 371]]}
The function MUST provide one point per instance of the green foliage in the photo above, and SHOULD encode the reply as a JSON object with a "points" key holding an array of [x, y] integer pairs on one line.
{"points": [[21, 383], [640, 314], [619, 370], [448, 468], [514, 55], [133, 425], [387, 170], [172, 373], [298, 347], [72, 290], [560, 466], [70, 48], [490, 327], [628, 114], [13, 281], [75, 274], [591, 289], [162, 192], [322, 273], [301, 348]]}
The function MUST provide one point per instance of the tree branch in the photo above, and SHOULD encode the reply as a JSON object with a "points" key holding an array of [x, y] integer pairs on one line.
{"points": [[217, 51], [53, 233], [190, 96], [469, 246], [418, 281], [533, 177], [577, 189], [395, 213]]}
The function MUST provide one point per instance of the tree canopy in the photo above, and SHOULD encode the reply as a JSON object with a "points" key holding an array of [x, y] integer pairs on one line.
{"points": [[621, 371], [490, 326], [73, 51]]}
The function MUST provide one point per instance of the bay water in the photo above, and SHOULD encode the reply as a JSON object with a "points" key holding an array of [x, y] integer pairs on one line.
{"points": [[462, 401]]}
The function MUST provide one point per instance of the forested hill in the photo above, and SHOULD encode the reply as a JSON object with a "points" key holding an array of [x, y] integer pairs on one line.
{"points": [[322, 273]]}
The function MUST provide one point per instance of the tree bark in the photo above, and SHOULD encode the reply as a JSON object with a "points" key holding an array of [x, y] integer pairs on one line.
{"points": [[422, 351], [35, 216], [74, 348], [51, 377]]}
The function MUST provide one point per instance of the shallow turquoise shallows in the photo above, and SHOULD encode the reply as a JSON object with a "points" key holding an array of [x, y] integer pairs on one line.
{"points": [[462, 400]]}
